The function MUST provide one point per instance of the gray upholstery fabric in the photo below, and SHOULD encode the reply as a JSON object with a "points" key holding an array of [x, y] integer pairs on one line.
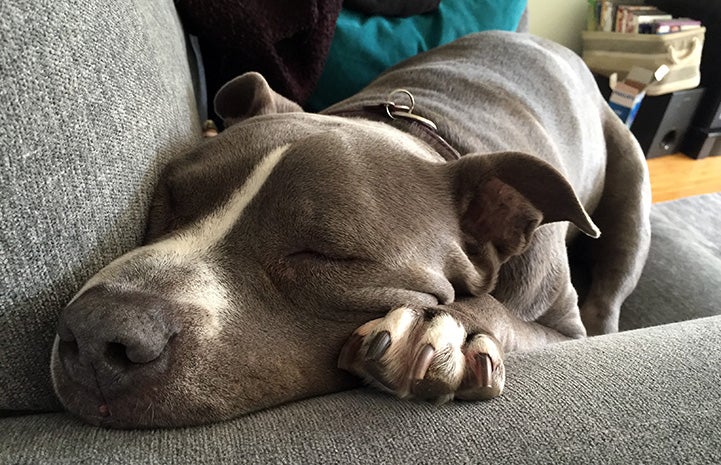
{"points": [[647, 396], [682, 278], [523, 23], [94, 97]]}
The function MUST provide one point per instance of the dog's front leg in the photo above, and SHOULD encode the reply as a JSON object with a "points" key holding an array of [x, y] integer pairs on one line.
{"points": [[443, 352]]}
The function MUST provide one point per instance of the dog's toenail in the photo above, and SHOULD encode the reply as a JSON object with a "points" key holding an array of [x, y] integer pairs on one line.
{"points": [[378, 346], [104, 410], [483, 369], [423, 361], [348, 353]]}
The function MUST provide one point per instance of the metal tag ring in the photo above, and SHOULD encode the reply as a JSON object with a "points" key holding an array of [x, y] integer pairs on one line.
{"points": [[397, 108]]}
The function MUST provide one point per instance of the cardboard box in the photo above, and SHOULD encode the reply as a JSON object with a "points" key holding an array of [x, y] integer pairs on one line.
{"points": [[626, 96]]}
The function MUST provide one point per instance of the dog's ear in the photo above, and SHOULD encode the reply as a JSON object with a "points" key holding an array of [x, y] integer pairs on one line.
{"points": [[249, 95], [503, 197]]}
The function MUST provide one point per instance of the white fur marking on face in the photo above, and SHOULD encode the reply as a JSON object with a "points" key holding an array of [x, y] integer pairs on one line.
{"points": [[191, 249], [214, 227]]}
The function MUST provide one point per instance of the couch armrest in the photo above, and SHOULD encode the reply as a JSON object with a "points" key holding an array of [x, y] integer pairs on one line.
{"points": [[645, 396]]}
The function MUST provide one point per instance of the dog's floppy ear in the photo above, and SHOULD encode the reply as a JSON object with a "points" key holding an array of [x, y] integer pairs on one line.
{"points": [[503, 197], [249, 95]]}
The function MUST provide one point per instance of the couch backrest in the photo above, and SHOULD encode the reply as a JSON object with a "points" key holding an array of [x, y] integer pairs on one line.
{"points": [[94, 97]]}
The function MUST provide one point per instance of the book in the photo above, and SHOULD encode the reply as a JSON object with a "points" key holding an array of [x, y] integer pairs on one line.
{"points": [[605, 20], [625, 13], [635, 19], [592, 15], [666, 26]]}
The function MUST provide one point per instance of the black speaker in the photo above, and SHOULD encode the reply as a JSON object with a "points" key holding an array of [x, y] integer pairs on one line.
{"points": [[707, 11], [702, 142], [715, 111], [708, 114], [662, 121]]}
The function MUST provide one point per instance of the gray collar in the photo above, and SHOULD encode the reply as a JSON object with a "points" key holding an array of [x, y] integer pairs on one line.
{"points": [[403, 118]]}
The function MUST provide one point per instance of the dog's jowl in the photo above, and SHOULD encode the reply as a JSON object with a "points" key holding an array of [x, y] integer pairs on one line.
{"points": [[408, 238]]}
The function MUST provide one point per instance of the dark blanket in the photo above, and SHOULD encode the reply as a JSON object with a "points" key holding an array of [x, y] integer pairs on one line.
{"points": [[285, 40], [402, 8]]}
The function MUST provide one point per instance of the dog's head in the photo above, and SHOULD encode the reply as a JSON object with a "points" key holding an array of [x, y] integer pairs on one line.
{"points": [[270, 243]]}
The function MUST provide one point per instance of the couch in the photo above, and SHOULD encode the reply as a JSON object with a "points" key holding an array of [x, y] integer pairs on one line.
{"points": [[96, 96]]}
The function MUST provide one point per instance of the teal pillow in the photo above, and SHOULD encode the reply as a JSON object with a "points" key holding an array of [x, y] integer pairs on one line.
{"points": [[365, 46]]}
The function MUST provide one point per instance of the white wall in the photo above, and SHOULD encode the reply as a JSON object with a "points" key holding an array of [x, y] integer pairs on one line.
{"points": [[558, 20]]}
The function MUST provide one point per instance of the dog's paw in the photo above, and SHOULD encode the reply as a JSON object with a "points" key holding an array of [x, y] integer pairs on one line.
{"points": [[425, 354]]}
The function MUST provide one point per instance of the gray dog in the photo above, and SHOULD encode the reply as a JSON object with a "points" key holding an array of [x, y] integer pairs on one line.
{"points": [[295, 248]]}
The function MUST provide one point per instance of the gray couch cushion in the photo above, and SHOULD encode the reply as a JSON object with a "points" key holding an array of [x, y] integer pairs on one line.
{"points": [[645, 396], [94, 97], [682, 277]]}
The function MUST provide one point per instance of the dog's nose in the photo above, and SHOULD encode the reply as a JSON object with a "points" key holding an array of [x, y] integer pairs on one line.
{"points": [[107, 337]]}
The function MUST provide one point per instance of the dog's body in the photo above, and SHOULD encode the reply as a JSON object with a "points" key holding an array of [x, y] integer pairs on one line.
{"points": [[269, 245]]}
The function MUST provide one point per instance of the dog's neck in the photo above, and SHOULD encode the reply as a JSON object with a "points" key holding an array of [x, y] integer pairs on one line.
{"points": [[402, 117]]}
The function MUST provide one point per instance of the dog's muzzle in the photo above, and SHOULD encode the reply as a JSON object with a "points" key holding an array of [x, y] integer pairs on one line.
{"points": [[110, 343]]}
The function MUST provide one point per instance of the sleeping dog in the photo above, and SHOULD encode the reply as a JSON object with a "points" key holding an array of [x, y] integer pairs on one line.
{"points": [[408, 236]]}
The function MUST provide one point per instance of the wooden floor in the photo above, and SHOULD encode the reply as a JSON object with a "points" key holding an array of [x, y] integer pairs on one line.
{"points": [[677, 176]]}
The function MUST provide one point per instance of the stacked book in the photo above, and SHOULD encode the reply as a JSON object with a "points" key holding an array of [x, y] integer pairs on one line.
{"points": [[605, 15]]}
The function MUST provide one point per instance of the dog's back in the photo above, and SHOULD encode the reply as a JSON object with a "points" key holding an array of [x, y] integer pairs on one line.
{"points": [[499, 91]]}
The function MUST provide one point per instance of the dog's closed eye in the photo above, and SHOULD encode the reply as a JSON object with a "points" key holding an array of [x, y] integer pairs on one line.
{"points": [[309, 265], [314, 255]]}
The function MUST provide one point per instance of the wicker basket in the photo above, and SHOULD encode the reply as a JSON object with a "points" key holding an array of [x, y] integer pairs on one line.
{"points": [[606, 53]]}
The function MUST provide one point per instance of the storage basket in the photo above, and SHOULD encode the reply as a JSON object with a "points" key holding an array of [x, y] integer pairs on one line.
{"points": [[606, 53]]}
